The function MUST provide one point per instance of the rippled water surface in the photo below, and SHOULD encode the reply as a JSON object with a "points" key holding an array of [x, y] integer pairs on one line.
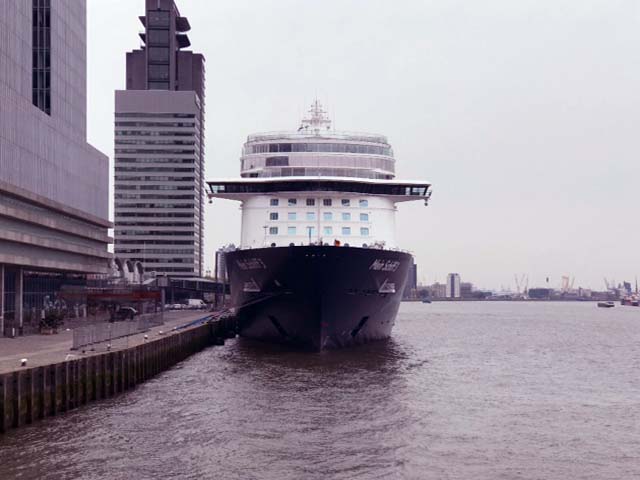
{"points": [[461, 391]]}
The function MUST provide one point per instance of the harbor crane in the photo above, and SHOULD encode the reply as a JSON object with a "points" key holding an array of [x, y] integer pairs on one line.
{"points": [[522, 284], [567, 284], [611, 285]]}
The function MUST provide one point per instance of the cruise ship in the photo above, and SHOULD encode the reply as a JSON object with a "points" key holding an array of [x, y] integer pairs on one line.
{"points": [[318, 265]]}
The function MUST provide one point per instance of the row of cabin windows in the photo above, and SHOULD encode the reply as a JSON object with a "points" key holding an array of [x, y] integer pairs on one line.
{"points": [[326, 216], [311, 231], [319, 147], [326, 202]]}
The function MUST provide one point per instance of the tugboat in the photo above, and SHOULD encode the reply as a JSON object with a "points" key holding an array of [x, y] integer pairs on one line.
{"points": [[318, 264]]}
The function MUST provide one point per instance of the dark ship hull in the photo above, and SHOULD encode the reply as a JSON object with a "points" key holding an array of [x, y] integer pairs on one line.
{"points": [[317, 297]]}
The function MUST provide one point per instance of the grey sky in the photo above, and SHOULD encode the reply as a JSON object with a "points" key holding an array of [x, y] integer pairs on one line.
{"points": [[524, 114]]}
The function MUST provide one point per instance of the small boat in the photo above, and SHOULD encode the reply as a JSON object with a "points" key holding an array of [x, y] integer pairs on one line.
{"points": [[426, 300], [606, 304]]}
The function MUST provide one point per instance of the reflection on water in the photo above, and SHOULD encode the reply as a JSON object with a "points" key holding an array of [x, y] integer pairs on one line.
{"points": [[460, 391]]}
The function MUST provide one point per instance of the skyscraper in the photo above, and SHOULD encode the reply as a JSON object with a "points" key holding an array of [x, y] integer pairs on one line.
{"points": [[453, 285], [54, 186], [159, 149]]}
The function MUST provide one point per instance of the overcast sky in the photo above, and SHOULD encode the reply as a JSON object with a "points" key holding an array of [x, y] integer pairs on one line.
{"points": [[525, 116]]}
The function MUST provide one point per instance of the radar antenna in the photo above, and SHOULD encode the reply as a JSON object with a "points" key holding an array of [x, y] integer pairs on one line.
{"points": [[316, 119]]}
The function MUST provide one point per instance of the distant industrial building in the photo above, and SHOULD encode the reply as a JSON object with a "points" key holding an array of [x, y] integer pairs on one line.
{"points": [[159, 149], [466, 289], [540, 293], [453, 286], [437, 290], [54, 186]]}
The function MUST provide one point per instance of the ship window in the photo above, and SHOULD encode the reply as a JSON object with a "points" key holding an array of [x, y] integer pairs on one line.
{"points": [[346, 202], [346, 230], [291, 216], [274, 202], [311, 215], [276, 162], [273, 216], [346, 217], [364, 232], [326, 202], [273, 230], [311, 231], [311, 202], [364, 217], [292, 201], [328, 230], [291, 230], [363, 203], [328, 216]]}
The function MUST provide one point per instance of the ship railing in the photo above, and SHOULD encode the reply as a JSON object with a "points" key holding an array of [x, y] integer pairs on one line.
{"points": [[342, 135], [317, 244]]}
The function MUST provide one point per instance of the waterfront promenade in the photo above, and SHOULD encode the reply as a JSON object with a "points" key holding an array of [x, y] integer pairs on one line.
{"points": [[42, 350]]}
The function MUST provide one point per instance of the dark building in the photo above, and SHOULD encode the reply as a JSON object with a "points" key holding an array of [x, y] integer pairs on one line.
{"points": [[159, 149], [162, 64]]}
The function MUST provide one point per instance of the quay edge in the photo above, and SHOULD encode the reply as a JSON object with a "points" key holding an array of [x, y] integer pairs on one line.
{"points": [[31, 394]]}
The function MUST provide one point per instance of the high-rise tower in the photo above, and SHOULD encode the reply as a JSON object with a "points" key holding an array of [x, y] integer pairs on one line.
{"points": [[159, 148]]}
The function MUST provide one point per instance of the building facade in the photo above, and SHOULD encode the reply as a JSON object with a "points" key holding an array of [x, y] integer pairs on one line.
{"points": [[54, 186], [453, 286], [159, 149]]}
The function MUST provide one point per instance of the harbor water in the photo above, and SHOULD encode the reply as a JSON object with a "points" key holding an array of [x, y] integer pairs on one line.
{"points": [[482, 390]]}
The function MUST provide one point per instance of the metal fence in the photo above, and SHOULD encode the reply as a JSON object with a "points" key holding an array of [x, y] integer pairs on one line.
{"points": [[107, 332]]}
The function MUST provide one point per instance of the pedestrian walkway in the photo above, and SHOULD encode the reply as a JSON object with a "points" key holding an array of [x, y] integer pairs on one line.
{"points": [[45, 349]]}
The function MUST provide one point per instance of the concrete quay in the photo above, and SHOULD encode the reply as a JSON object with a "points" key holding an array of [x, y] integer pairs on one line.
{"points": [[53, 383], [45, 349]]}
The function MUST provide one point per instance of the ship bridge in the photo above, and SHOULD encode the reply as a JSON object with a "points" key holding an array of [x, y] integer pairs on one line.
{"points": [[395, 190]]}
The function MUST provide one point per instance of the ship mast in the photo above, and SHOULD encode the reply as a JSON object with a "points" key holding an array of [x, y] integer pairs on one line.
{"points": [[316, 120]]}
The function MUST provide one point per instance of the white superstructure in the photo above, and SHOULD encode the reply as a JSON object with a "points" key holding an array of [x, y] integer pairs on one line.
{"points": [[318, 186]]}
